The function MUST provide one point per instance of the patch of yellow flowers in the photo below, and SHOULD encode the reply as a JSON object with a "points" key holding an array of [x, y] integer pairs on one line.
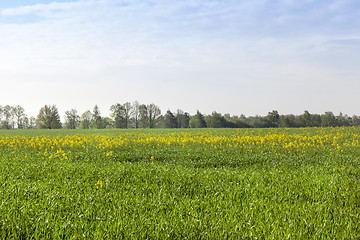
{"points": [[252, 140]]}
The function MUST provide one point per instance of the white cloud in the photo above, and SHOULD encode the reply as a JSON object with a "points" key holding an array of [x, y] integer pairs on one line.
{"points": [[42, 8], [161, 51]]}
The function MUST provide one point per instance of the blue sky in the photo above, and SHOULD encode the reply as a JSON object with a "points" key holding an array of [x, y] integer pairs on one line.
{"points": [[235, 56]]}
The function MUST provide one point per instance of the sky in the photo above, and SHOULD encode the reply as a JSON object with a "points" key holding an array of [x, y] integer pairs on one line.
{"points": [[230, 56]]}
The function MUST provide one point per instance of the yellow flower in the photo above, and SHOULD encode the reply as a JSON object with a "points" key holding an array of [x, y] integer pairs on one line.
{"points": [[99, 183]]}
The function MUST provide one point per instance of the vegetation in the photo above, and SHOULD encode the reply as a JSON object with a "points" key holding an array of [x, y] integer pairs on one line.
{"points": [[175, 184], [137, 115]]}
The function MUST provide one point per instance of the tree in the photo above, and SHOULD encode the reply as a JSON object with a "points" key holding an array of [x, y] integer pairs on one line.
{"points": [[215, 120], [355, 120], [8, 113], [24, 122], [72, 119], [343, 120], [18, 112], [32, 122], [148, 115], [143, 116], [97, 122], [127, 113], [48, 117], [287, 121], [154, 113], [170, 120], [197, 121], [328, 120], [182, 119], [107, 122], [85, 120], [117, 113], [306, 119], [135, 113], [273, 118]]}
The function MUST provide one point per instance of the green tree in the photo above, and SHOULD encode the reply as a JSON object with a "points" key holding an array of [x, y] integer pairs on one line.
{"points": [[32, 122], [328, 120], [8, 113], [85, 120], [97, 122], [148, 115], [306, 119], [170, 120], [287, 121], [154, 113], [355, 120], [215, 120], [107, 122], [127, 113], [182, 118], [118, 115], [19, 112], [135, 113], [273, 118], [143, 116], [197, 121], [72, 119], [48, 118]]}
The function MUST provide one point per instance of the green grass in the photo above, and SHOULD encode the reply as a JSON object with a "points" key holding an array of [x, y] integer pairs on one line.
{"points": [[191, 191]]}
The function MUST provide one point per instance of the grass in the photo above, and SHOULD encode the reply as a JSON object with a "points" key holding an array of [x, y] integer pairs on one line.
{"points": [[181, 184]]}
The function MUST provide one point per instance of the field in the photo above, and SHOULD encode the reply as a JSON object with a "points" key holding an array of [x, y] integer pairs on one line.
{"points": [[180, 184]]}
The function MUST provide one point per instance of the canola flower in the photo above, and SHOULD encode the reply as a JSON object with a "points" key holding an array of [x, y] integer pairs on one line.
{"points": [[273, 141]]}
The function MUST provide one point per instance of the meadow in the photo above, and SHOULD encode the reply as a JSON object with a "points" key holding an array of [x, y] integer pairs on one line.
{"points": [[180, 184]]}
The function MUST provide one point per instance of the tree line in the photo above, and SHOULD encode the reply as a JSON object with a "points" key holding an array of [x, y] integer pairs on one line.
{"points": [[135, 115]]}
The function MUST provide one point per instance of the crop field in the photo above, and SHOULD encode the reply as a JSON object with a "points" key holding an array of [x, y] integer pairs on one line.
{"points": [[180, 184]]}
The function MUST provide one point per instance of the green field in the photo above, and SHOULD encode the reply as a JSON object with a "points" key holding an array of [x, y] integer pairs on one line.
{"points": [[180, 184]]}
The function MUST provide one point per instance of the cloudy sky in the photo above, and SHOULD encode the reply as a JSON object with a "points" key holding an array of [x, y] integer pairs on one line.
{"points": [[232, 56]]}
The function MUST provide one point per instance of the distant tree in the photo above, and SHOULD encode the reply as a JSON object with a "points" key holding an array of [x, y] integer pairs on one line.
{"points": [[197, 121], [72, 119], [355, 120], [85, 120], [107, 122], [118, 115], [182, 118], [306, 119], [227, 116], [328, 120], [315, 120], [343, 120], [48, 117], [96, 121], [32, 122], [18, 112], [24, 123], [215, 120], [154, 113], [127, 113], [273, 118], [287, 121], [262, 122], [8, 113], [170, 120], [135, 113], [237, 123], [143, 116]]}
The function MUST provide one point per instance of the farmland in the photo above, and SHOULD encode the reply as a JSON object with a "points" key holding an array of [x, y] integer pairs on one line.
{"points": [[193, 183]]}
